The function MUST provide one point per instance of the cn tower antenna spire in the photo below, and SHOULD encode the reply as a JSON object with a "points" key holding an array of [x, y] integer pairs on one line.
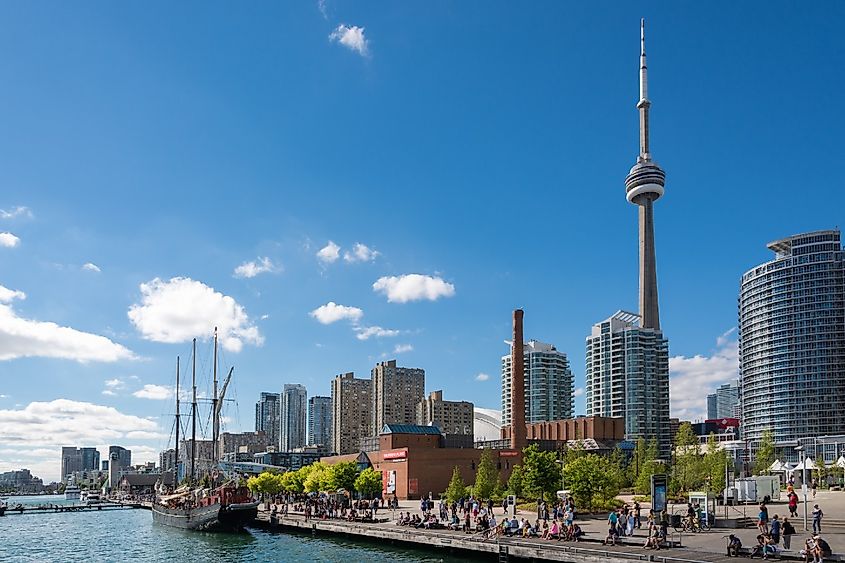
{"points": [[643, 186]]}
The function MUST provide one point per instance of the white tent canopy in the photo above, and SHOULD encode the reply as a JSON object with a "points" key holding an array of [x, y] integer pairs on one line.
{"points": [[776, 466], [808, 465], [841, 462]]}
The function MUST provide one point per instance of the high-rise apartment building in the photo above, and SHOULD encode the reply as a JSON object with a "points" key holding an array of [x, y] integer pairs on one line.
{"points": [[627, 375], [451, 417], [549, 384], [294, 416], [120, 457], [268, 419], [792, 340], [79, 459], [352, 411], [320, 421], [167, 460], [396, 392], [723, 403]]}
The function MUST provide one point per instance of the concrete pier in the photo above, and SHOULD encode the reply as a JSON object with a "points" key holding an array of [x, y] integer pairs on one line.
{"points": [[495, 549]]}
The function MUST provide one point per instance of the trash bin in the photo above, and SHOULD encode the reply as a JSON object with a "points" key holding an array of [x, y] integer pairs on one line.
{"points": [[675, 520]]}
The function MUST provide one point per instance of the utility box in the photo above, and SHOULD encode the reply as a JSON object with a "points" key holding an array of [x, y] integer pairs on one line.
{"points": [[767, 486], [706, 503], [659, 487], [746, 489]]}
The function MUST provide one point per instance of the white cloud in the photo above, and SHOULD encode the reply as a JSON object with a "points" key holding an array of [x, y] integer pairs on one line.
{"points": [[367, 332], [9, 240], [725, 337], [692, 379], [402, 348], [255, 267], [26, 338], [331, 312], [32, 436], [180, 309], [8, 295], [91, 267], [329, 253], [321, 5], [413, 287], [579, 392], [115, 383], [154, 392], [482, 377], [361, 253], [351, 37], [15, 212]]}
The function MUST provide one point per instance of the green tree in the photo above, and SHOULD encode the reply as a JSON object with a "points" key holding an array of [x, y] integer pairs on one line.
{"points": [[542, 473], [368, 482], [617, 459], [456, 487], [486, 476], [639, 457], [516, 482], [293, 482], [687, 472], [341, 476], [764, 457], [648, 465], [593, 481], [715, 461], [317, 478], [265, 483]]}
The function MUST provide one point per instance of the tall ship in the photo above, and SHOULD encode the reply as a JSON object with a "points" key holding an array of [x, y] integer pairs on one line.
{"points": [[217, 501]]}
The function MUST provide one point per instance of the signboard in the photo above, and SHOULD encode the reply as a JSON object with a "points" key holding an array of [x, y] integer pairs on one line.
{"points": [[508, 454], [395, 455], [659, 485], [391, 482]]}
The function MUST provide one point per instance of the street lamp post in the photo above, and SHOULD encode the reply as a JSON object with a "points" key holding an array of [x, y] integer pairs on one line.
{"points": [[562, 484], [803, 456]]}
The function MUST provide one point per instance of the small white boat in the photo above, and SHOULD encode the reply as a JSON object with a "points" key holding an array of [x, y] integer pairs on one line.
{"points": [[72, 492]]}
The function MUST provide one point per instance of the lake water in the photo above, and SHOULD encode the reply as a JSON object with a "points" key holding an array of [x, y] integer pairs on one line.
{"points": [[130, 535]]}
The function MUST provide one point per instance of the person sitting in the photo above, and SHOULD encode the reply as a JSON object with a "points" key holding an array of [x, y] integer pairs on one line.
{"points": [[514, 525], [811, 551], [575, 532], [823, 547], [545, 533], [734, 546], [758, 549], [554, 531]]}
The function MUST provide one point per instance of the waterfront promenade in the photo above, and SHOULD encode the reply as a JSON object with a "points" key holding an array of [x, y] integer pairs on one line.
{"points": [[706, 547]]}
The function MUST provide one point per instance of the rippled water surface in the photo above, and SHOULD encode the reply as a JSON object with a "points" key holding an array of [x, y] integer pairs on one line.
{"points": [[130, 535]]}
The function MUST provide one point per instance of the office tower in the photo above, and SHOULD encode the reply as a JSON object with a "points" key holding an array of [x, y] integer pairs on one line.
{"points": [[79, 459], [627, 375], [120, 457], [723, 403], [396, 392], [268, 419], [167, 460], [792, 340], [549, 384], [352, 411], [294, 416], [451, 417], [712, 406], [320, 421]]}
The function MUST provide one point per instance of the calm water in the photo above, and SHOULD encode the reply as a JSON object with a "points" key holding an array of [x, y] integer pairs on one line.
{"points": [[126, 535]]}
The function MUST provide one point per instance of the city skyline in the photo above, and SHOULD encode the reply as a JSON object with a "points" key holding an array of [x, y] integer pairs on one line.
{"points": [[141, 179]]}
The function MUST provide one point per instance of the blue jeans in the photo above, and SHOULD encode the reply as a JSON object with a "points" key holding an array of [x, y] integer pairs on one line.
{"points": [[817, 526]]}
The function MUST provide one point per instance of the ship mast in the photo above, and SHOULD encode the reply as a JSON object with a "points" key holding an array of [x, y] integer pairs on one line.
{"points": [[194, 413], [215, 432], [176, 467]]}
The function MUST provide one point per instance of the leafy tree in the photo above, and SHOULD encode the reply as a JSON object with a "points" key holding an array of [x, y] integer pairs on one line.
{"points": [[342, 476], [822, 468], [640, 453], [593, 480], [687, 472], [456, 487], [715, 461], [542, 473], [764, 457], [516, 482], [368, 482], [292, 482], [617, 459], [648, 465], [486, 476], [265, 483], [317, 478]]}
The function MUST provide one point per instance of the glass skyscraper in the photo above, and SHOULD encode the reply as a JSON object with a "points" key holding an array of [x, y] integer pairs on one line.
{"points": [[792, 340], [549, 384]]}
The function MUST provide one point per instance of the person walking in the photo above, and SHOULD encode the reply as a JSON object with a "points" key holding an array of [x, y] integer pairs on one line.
{"points": [[775, 529], [814, 485], [793, 504], [817, 519], [788, 530], [637, 514]]}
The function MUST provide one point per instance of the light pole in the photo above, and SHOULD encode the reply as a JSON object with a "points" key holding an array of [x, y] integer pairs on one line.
{"points": [[803, 456], [562, 484]]}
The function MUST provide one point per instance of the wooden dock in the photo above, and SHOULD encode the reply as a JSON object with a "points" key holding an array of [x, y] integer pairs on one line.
{"points": [[71, 508], [501, 550]]}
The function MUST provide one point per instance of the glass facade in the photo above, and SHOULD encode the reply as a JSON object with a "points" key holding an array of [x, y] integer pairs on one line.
{"points": [[792, 340], [549, 384], [627, 375]]}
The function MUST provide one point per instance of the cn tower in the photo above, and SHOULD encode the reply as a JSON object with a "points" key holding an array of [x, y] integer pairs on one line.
{"points": [[643, 186]]}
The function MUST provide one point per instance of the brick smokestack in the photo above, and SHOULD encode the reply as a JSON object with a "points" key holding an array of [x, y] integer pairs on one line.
{"points": [[517, 385]]}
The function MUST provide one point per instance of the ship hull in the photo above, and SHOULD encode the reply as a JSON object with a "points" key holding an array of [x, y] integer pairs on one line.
{"points": [[211, 518]]}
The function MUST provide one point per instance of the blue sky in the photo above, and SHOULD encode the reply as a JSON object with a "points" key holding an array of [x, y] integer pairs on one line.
{"points": [[481, 145]]}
